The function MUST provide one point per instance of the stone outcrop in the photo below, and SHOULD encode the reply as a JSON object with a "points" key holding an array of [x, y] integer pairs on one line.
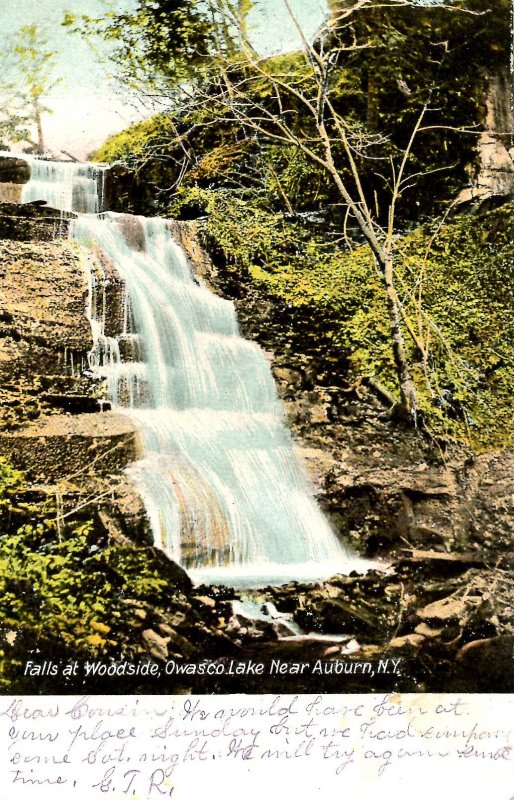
{"points": [[44, 335], [11, 192], [62, 446], [130, 192], [33, 222], [493, 175], [53, 420], [14, 173]]}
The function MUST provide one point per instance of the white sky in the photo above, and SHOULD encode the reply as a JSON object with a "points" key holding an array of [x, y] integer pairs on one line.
{"points": [[88, 105]]}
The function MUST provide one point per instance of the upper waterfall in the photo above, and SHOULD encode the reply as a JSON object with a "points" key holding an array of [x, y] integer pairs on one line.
{"points": [[223, 489], [65, 185]]}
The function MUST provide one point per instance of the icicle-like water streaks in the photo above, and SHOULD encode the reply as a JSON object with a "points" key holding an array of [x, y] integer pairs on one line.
{"points": [[221, 484]]}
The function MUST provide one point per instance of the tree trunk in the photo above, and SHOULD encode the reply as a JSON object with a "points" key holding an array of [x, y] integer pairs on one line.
{"points": [[39, 125], [408, 393], [384, 260]]}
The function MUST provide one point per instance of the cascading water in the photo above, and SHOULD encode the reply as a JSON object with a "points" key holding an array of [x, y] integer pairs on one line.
{"points": [[219, 478], [65, 185]]}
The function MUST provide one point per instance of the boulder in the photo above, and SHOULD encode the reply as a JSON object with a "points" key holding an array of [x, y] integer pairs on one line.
{"points": [[156, 645], [336, 615], [175, 574], [252, 621], [411, 640], [442, 612], [485, 665], [427, 631], [14, 170]]}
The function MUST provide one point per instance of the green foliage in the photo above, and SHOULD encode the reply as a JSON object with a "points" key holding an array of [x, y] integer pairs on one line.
{"points": [[161, 41], [65, 591], [136, 141], [11, 483], [244, 232], [14, 122], [396, 60], [460, 275], [386, 66], [465, 281], [65, 586], [34, 61]]}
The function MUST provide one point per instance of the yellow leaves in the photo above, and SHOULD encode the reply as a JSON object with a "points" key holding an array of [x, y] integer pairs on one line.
{"points": [[218, 161], [100, 627], [95, 640]]}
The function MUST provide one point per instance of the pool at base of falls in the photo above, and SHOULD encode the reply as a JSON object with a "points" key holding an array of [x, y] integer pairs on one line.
{"points": [[259, 575]]}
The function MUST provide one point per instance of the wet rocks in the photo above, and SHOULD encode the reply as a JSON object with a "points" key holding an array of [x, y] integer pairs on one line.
{"points": [[129, 192], [121, 514], [333, 615], [166, 643], [175, 574], [156, 645], [409, 641], [258, 621], [443, 612], [427, 631]]}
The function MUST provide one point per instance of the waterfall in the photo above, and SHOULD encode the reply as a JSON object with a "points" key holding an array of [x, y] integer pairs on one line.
{"points": [[65, 185], [223, 489]]}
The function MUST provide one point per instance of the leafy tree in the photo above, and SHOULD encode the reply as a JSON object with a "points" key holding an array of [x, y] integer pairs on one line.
{"points": [[372, 153], [14, 124], [14, 119], [29, 66], [165, 40]]}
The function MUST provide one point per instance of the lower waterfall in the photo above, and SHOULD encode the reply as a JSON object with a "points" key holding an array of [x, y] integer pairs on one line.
{"points": [[222, 487]]}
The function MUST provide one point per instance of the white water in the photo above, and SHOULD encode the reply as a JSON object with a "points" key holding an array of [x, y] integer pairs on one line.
{"points": [[222, 486], [65, 185]]}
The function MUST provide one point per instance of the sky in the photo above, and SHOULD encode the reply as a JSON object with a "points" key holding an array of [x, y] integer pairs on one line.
{"points": [[89, 105]]}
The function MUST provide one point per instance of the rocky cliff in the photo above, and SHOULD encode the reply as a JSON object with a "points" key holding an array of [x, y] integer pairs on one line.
{"points": [[493, 172], [53, 421]]}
